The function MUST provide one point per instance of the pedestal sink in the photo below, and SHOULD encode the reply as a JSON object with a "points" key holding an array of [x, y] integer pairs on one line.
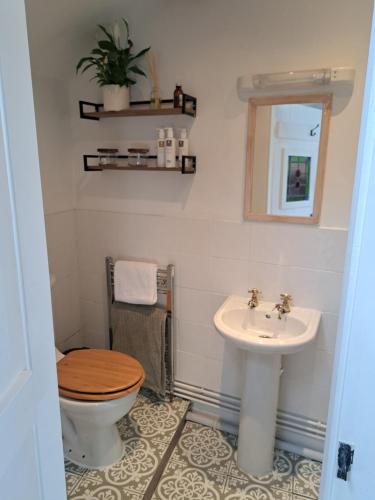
{"points": [[265, 338]]}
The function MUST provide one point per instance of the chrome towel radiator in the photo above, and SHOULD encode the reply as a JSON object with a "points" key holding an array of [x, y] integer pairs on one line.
{"points": [[165, 287]]}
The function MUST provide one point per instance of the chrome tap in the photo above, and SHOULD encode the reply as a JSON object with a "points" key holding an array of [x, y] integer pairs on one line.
{"points": [[254, 299], [284, 306]]}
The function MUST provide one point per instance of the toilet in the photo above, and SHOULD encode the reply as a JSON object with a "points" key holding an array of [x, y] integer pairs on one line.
{"points": [[97, 387]]}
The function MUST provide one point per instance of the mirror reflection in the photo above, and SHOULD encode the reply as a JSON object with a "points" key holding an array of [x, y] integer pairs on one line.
{"points": [[284, 158]]}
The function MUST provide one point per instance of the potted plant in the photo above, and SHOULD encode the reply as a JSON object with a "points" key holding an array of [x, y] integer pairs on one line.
{"points": [[115, 66]]}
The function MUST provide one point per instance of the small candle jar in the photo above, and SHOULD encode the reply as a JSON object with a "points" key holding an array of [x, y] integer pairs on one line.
{"points": [[137, 157], [107, 157]]}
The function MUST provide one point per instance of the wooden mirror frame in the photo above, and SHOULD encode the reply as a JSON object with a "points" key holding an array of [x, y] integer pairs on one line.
{"points": [[326, 101]]}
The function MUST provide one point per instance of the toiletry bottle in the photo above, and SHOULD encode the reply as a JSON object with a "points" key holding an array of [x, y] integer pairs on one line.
{"points": [[161, 148], [170, 149], [178, 97], [183, 145]]}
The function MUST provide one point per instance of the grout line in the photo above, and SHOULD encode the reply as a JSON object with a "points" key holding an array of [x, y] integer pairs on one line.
{"points": [[151, 488], [64, 211]]}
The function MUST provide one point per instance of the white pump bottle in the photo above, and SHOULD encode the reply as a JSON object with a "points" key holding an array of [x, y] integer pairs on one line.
{"points": [[161, 148], [170, 149]]}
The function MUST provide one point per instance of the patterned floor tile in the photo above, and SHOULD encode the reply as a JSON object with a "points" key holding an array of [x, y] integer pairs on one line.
{"points": [[147, 432], [281, 477], [307, 477], [203, 467]]}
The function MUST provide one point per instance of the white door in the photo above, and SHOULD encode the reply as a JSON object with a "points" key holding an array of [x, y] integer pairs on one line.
{"points": [[31, 459], [352, 406]]}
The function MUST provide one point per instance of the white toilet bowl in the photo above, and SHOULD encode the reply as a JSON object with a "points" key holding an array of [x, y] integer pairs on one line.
{"points": [[90, 434]]}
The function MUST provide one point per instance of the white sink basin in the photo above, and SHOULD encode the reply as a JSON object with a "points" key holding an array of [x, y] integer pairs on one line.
{"points": [[260, 329], [264, 338]]}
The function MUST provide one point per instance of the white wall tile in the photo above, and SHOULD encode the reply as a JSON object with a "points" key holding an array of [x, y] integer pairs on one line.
{"points": [[199, 339], [327, 333], [150, 237], [229, 276], [95, 324], [66, 307], [194, 305], [217, 375], [304, 398], [310, 288], [267, 278], [309, 364], [63, 263], [305, 383], [61, 228], [94, 286], [193, 236], [230, 240], [198, 306], [63, 259], [299, 246], [193, 271], [76, 340]]}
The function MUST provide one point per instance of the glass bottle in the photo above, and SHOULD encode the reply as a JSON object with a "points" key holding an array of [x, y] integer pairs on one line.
{"points": [[178, 97]]}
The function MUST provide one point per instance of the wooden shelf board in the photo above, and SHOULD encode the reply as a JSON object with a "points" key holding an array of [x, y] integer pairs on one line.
{"points": [[135, 112], [144, 169]]}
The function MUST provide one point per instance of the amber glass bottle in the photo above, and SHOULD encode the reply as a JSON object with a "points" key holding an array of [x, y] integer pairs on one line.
{"points": [[178, 97]]}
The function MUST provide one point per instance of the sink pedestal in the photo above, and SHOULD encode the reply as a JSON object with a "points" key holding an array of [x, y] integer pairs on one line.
{"points": [[258, 413]]}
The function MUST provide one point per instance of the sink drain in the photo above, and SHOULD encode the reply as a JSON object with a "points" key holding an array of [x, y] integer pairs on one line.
{"points": [[265, 336]]}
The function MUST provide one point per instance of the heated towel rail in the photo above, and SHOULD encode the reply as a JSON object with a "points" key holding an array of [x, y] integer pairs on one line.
{"points": [[165, 287]]}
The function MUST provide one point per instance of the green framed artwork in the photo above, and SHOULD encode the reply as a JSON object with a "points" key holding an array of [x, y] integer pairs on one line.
{"points": [[299, 170]]}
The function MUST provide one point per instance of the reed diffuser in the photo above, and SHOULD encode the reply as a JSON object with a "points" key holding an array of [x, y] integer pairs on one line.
{"points": [[154, 96]]}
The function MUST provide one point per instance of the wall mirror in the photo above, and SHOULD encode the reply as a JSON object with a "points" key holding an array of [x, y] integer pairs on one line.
{"points": [[286, 155]]}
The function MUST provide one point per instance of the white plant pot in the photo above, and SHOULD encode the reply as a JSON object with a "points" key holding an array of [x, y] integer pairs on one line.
{"points": [[115, 98]]}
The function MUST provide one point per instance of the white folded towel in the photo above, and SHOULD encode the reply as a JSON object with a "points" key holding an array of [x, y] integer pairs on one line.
{"points": [[135, 282]]}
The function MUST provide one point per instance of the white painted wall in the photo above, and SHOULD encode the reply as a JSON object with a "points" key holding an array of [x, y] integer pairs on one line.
{"points": [[196, 221], [207, 45], [52, 100]]}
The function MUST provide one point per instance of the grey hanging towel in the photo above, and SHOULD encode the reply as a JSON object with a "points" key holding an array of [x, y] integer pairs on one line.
{"points": [[140, 332]]}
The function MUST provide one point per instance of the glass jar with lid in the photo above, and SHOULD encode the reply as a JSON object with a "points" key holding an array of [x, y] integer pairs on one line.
{"points": [[108, 157], [137, 157]]}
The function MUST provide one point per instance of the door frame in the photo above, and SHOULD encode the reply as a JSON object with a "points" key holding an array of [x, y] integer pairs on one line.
{"points": [[352, 293], [32, 461]]}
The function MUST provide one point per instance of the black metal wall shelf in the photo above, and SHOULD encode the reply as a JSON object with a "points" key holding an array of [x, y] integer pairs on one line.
{"points": [[140, 108], [188, 165]]}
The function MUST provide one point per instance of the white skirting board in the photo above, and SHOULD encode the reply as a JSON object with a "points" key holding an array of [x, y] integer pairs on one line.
{"points": [[294, 433]]}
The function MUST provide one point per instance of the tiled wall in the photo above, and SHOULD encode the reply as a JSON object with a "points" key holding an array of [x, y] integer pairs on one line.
{"points": [[214, 259], [195, 221], [52, 100], [63, 263]]}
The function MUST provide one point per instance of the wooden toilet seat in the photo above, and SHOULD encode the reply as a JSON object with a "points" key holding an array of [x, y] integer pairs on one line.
{"points": [[98, 374]]}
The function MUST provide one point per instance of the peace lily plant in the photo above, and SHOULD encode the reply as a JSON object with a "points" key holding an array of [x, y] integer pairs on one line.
{"points": [[115, 66]]}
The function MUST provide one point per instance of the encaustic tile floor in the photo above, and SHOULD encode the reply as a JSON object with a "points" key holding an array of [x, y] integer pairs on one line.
{"points": [[201, 465], [148, 432]]}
